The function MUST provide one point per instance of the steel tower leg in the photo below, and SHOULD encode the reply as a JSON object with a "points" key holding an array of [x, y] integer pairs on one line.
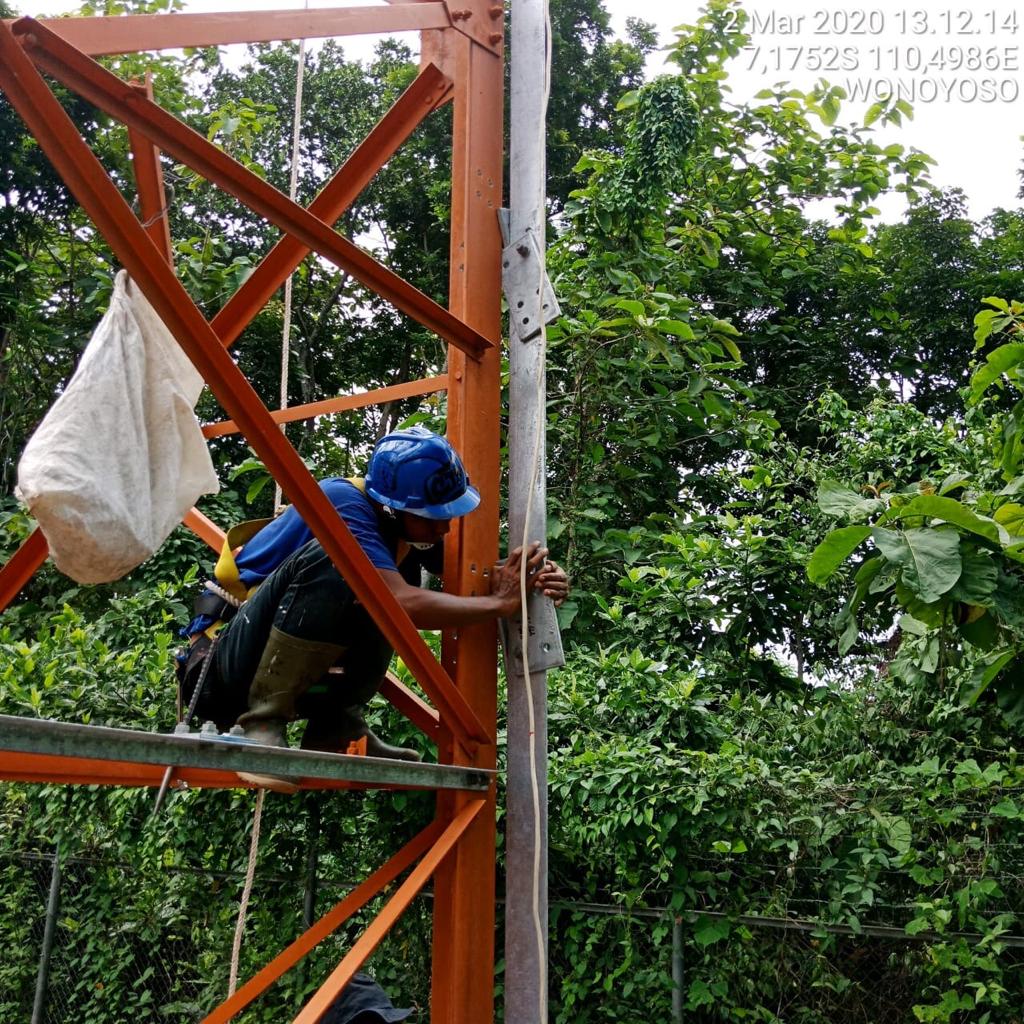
{"points": [[463, 971]]}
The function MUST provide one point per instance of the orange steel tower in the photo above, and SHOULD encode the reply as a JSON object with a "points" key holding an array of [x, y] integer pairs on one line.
{"points": [[462, 64]]}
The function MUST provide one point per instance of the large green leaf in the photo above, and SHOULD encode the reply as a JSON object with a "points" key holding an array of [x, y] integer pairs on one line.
{"points": [[930, 559], [949, 510], [709, 930], [1003, 359], [850, 630], [982, 633], [899, 834], [1011, 518], [978, 579], [836, 500], [679, 328], [865, 577], [985, 673], [834, 550]]}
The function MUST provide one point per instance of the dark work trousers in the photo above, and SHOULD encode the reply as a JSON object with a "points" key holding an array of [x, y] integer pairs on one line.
{"points": [[305, 597]]}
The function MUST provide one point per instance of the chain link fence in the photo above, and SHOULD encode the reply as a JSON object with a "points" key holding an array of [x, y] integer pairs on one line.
{"points": [[700, 968], [130, 944]]}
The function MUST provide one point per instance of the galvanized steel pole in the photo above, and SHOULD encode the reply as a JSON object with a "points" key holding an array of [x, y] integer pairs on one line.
{"points": [[526, 907]]}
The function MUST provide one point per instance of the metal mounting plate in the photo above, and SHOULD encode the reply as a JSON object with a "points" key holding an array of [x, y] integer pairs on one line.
{"points": [[525, 283], [543, 642]]}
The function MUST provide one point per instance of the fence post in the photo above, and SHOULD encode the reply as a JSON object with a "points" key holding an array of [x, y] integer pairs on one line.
{"points": [[677, 969], [52, 910], [312, 859]]}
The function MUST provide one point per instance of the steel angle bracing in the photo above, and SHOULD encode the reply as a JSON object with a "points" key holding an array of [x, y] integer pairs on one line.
{"points": [[149, 181], [106, 91], [75, 161], [22, 566], [106, 35], [408, 111], [423, 95], [458, 848], [393, 393], [393, 909], [85, 745], [358, 898]]}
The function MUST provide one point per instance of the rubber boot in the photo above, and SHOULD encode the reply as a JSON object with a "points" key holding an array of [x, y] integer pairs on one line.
{"points": [[348, 726], [287, 668]]}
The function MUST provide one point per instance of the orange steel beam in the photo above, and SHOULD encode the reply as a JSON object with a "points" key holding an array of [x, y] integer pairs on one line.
{"points": [[329, 923], [205, 529], [22, 767], [23, 563], [71, 156], [421, 714], [486, 28], [383, 922], [463, 938], [114, 97], [149, 180], [107, 35], [408, 111], [392, 393]]}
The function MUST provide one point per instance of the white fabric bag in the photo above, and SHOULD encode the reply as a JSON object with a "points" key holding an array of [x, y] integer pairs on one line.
{"points": [[119, 459]]}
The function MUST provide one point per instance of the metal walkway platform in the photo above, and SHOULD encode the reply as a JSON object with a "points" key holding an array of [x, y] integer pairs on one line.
{"points": [[38, 750]]}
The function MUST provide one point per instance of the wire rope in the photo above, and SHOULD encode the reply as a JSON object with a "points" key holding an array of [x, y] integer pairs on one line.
{"points": [[286, 328], [243, 904], [293, 183]]}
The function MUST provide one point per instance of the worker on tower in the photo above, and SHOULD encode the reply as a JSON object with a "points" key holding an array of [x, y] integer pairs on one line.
{"points": [[300, 645]]}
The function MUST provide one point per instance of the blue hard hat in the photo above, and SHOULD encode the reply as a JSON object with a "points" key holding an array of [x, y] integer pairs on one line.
{"points": [[417, 471]]}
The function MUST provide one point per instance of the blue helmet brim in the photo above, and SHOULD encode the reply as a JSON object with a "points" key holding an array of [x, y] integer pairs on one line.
{"points": [[466, 502]]}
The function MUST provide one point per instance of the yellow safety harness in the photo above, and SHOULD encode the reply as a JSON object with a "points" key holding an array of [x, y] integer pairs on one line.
{"points": [[226, 572]]}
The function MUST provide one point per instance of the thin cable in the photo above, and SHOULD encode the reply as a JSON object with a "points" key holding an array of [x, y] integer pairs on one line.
{"points": [[243, 903], [538, 924], [293, 183]]}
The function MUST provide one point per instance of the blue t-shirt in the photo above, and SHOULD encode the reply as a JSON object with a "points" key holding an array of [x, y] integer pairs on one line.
{"points": [[285, 535], [264, 552]]}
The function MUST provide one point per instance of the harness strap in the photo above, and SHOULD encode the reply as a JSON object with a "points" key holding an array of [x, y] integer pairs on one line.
{"points": [[226, 572]]}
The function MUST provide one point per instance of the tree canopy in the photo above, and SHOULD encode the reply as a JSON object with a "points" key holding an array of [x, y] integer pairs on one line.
{"points": [[785, 466]]}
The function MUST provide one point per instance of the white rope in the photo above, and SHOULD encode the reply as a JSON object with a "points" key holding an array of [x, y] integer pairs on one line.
{"points": [[215, 588], [538, 924], [293, 182], [243, 904]]}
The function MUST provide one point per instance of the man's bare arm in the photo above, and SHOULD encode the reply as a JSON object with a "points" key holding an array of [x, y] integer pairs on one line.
{"points": [[432, 609]]}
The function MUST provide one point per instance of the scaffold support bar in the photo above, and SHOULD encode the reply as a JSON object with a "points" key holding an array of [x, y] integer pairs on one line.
{"points": [[105, 35], [126, 746]]}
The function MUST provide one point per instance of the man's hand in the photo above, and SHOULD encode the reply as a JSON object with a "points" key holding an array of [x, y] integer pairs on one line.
{"points": [[542, 577], [505, 576], [552, 582], [431, 609]]}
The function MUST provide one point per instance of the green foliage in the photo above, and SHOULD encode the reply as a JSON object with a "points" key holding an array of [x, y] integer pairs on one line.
{"points": [[637, 187], [742, 398], [947, 572], [673, 790]]}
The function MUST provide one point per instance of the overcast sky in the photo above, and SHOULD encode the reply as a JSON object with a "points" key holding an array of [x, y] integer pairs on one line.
{"points": [[961, 64]]}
